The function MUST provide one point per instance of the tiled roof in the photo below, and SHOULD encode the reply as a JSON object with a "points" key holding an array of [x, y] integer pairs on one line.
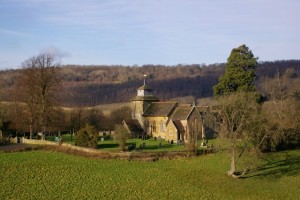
{"points": [[182, 112], [179, 126], [159, 109], [133, 125]]}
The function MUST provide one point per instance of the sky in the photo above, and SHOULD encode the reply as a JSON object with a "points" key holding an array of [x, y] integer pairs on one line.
{"points": [[138, 32]]}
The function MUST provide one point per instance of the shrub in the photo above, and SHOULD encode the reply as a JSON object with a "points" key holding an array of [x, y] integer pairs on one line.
{"points": [[131, 147], [121, 135], [87, 137]]}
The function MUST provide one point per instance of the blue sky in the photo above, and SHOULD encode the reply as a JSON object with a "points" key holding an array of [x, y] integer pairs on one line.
{"points": [[130, 32]]}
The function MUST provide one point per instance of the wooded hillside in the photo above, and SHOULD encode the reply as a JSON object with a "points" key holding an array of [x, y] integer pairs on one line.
{"points": [[94, 85]]}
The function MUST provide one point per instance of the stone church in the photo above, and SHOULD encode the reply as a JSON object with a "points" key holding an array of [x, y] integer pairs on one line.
{"points": [[171, 121]]}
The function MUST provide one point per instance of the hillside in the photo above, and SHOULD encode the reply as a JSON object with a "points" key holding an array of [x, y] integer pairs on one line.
{"points": [[95, 85]]}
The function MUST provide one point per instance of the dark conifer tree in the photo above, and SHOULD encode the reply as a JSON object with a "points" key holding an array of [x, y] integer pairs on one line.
{"points": [[240, 72]]}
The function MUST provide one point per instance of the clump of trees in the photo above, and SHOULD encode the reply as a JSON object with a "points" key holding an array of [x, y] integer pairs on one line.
{"points": [[247, 121], [78, 117], [283, 107], [249, 124]]}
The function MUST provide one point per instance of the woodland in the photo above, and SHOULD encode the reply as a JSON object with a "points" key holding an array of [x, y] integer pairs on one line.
{"points": [[84, 86], [75, 93]]}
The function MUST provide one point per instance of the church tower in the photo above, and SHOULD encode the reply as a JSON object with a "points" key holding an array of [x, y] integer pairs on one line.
{"points": [[139, 103]]}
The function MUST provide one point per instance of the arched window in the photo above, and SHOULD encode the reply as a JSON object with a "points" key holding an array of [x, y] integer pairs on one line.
{"points": [[153, 126]]}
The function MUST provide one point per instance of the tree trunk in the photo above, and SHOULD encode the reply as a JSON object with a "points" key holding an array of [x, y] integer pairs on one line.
{"points": [[233, 163], [203, 134], [232, 172], [43, 132], [30, 130]]}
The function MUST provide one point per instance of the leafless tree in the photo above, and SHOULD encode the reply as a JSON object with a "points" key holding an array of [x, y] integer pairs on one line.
{"points": [[282, 91], [248, 125], [283, 107], [41, 82], [238, 112]]}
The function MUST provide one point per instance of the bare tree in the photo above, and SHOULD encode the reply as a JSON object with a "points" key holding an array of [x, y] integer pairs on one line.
{"points": [[95, 118], [281, 90], [28, 82], [238, 112], [118, 115], [41, 82], [283, 107], [76, 119]]}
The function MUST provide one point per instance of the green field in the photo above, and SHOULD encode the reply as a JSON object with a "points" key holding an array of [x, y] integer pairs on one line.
{"points": [[51, 175]]}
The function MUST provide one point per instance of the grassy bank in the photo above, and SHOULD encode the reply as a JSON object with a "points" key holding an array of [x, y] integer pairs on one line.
{"points": [[113, 145], [52, 175]]}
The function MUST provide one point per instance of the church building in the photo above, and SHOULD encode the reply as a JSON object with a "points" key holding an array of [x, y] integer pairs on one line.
{"points": [[171, 121]]}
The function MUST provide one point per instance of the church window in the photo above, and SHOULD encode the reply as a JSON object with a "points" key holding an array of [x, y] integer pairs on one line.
{"points": [[154, 127]]}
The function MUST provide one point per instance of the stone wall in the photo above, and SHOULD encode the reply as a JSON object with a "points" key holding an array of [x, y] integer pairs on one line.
{"points": [[45, 142]]}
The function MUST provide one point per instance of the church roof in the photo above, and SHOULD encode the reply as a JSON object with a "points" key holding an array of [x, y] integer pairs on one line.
{"points": [[133, 125], [159, 109], [182, 112], [179, 126]]}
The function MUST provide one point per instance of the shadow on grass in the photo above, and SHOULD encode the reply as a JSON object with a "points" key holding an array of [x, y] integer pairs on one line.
{"points": [[290, 166], [107, 145], [153, 147], [147, 147]]}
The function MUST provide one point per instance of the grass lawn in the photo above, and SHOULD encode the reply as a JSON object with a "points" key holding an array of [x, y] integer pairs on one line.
{"points": [[52, 175]]}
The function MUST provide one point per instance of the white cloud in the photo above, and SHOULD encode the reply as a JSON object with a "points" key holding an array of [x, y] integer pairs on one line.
{"points": [[58, 53]]}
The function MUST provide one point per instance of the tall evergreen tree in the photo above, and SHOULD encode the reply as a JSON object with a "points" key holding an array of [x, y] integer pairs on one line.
{"points": [[240, 72]]}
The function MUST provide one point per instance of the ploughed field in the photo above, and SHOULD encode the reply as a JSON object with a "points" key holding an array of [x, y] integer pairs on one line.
{"points": [[39, 174]]}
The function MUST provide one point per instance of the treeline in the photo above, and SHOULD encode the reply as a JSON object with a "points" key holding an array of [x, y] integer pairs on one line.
{"points": [[94, 85]]}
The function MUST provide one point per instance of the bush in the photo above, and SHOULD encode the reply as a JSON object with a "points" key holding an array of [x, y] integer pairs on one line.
{"points": [[131, 147], [122, 136], [87, 137]]}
